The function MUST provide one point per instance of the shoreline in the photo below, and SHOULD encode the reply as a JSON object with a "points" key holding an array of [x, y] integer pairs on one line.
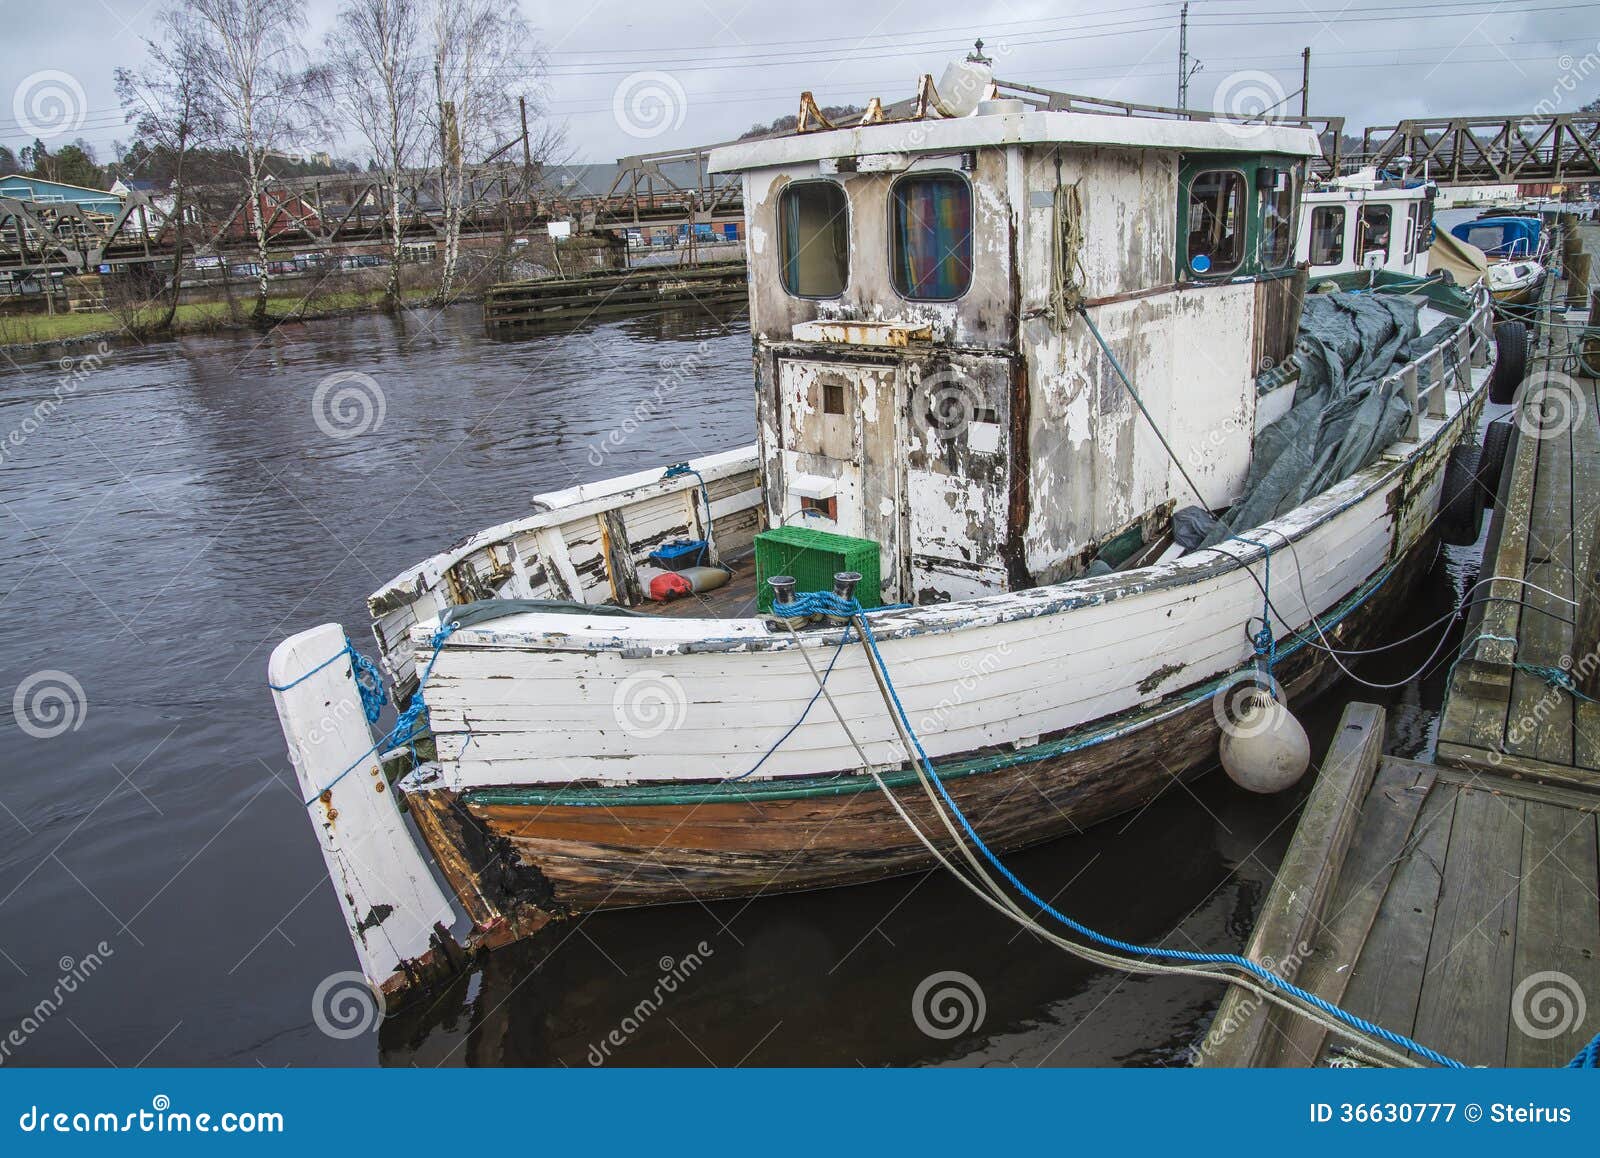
{"points": [[224, 323]]}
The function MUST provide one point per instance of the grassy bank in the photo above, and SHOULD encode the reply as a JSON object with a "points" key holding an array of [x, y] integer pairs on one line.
{"points": [[191, 318]]}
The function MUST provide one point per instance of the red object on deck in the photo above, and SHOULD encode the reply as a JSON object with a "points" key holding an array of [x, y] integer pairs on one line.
{"points": [[669, 585]]}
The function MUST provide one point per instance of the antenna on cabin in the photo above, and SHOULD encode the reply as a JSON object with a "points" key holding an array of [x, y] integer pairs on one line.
{"points": [[976, 55], [1185, 69]]}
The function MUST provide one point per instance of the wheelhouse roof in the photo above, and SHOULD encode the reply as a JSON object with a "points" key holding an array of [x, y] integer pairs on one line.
{"points": [[996, 129]]}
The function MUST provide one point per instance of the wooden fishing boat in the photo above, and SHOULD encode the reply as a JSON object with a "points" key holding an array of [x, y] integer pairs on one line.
{"points": [[1003, 353]]}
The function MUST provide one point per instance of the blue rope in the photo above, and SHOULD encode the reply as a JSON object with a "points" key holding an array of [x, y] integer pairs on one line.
{"points": [[369, 681], [1556, 677], [408, 725], [1261, 972], [678, 470], [1264, 642], [844, 638], [1587, 1058], [810, 603]]}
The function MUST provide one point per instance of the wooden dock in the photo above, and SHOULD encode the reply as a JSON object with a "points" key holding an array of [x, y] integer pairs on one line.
{"points": [[1457, 909], [514, 308], [1506, 711], [1458, 902]]}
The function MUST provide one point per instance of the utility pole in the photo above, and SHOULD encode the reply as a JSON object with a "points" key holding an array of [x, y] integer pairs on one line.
{"points": [[1183, 57], [1305, 81], [527, 155]]}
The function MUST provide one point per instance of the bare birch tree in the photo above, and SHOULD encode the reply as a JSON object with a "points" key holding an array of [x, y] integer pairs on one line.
{"points": [[168, 103], [249, 56], [484, 59], [375, 77]]}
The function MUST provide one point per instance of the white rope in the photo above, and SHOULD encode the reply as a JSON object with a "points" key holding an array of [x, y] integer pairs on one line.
{"points": [[987, 890]]}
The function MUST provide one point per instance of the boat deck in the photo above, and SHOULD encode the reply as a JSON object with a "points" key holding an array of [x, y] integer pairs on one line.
{"points": [[735, 599]]}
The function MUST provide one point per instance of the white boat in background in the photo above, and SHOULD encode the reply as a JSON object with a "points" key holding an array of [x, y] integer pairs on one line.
{"points": [[1366, 221], [998, 348]]}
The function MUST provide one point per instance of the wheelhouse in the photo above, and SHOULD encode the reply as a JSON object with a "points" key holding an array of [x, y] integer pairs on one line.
{"points": [[926, 379]]}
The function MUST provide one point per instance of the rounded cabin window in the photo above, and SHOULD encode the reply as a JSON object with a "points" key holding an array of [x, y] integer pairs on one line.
{"points": [[814, 237], [931, 237], [1373, 229], [1218, 221], [1327, 235], [1278, 205]]}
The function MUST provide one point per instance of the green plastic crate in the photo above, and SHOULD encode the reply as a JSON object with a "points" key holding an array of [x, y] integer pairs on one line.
{"points": [[812, 557]]}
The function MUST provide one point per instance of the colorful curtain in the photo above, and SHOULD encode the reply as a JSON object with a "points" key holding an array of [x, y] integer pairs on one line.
{"points": [[932, 237]]}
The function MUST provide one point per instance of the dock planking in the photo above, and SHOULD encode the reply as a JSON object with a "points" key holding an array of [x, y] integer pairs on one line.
{"points": [[1465, 916], [1541, 608], [1465, 908]]}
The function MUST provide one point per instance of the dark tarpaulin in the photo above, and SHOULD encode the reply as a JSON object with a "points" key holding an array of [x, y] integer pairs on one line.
{"points": [[1343, 414]]}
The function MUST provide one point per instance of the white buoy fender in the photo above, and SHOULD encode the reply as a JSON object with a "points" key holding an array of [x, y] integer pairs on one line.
{"points": [[1263, 747]]}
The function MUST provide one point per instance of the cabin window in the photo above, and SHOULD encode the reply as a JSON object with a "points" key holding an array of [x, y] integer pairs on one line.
{"points": [[931, 257], [1277, 222], [814, 230], [1217, 222], [1372, 230], [1412, 216], [832, 398], [1327, 235]]}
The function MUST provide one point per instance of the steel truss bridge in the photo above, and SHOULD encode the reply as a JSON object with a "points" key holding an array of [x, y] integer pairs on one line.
{"points": [[676, 188], [1552, 147]]}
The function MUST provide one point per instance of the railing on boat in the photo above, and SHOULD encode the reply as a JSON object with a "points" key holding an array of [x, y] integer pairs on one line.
{"points": [[1449, 360], [584, 544]]}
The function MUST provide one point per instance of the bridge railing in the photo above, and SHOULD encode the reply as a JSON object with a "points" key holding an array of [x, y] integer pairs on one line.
{"points": [[1492, 150]]}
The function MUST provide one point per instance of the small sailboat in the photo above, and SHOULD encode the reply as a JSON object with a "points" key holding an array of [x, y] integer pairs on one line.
{"points": [[1021, 501]]}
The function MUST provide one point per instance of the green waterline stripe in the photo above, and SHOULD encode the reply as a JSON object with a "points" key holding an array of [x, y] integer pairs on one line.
{"points": [[845, 783]]}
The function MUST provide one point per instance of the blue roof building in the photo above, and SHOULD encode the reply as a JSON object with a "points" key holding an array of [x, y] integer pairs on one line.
{"points": [[43, 192]]}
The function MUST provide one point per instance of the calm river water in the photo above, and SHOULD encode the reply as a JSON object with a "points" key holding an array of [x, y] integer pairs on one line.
{"points": [[175, 510]]}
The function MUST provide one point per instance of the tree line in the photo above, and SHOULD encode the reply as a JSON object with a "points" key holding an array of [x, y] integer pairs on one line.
{"points": [[229, 88]]}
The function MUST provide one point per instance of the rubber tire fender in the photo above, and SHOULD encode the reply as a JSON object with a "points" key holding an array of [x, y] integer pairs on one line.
{"points": [[1510, 361], [1460, 507]]}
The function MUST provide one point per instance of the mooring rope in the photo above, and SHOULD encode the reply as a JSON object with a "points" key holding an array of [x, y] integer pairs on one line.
{"points": [[1256, 969], [408, 725], [988, 891]]}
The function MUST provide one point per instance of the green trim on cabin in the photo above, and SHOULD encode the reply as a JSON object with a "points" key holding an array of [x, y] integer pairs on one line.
{"points": [[1246, 164], [736, 791]]}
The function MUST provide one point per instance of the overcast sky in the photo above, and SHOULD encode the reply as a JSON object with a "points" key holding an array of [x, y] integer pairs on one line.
{"points": [[721, 65]]}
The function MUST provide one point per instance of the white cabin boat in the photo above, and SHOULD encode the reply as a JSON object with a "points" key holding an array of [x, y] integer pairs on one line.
{"points": [[929, 294], [1366, 221]]}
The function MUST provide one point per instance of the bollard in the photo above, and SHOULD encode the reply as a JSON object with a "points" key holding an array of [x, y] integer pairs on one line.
{"points": [[1578, 281]]}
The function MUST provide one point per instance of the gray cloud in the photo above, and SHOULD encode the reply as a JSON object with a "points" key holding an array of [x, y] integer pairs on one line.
{"points": [[738, 63]]}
